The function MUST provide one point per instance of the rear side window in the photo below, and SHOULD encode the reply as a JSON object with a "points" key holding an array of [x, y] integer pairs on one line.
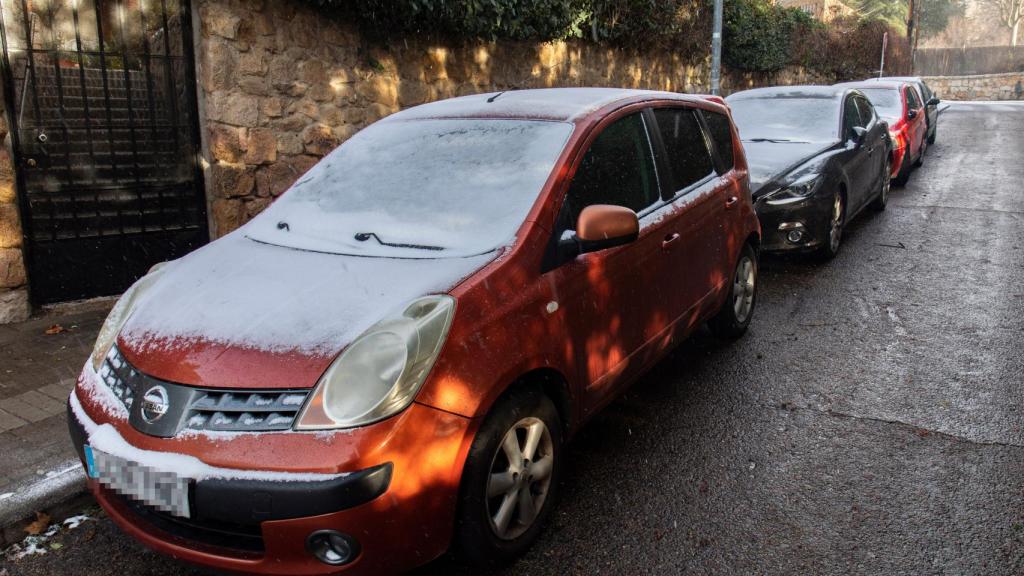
{"points": [[913, 102], [851, 116], [867, 111], [688, 156], [617, 169], [721, 132], [925, 91]]}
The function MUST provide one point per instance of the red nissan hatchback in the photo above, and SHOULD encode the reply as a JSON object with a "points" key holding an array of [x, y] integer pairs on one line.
{"points": [[387, 361]]}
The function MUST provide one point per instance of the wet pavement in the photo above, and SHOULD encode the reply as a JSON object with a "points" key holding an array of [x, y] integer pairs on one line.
{"points": [[871, 422]]}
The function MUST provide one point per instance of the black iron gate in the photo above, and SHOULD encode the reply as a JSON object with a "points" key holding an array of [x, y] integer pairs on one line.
{"points": [[101, 102]]}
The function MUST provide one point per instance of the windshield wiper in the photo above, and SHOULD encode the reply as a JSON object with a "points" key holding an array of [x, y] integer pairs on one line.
{"points": [[777, 140], [364, 236]]}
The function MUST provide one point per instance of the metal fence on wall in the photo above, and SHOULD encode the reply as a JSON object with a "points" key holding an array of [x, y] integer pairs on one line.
{"points": [[969, 61]]}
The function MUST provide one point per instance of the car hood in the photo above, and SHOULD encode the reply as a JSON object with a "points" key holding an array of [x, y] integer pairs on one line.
{"points": [[769, 160], [241, 314]]}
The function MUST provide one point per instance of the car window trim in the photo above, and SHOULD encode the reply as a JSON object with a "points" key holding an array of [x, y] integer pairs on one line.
{"points": [[717, 161], [668, 192]]}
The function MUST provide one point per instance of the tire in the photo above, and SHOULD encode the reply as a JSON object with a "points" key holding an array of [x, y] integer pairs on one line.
{"points": [[903, 176], [733, 318], [479, 539], [882, 199], [920, 154], [834, 232], [935, 132]]}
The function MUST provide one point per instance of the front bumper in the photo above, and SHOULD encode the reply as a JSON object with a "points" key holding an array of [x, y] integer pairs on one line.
{"points": [[811, 216], [400, 509]]}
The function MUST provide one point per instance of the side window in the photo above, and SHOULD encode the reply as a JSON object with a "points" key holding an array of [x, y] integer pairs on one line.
{"points": [[867, 111], [617, 169], [851, 117], [913, 103], [688, 157], [721, 132]]}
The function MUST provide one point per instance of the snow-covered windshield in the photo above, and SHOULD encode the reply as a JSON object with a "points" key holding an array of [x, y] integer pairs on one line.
{"points": [[779, 118], [418, 189]]}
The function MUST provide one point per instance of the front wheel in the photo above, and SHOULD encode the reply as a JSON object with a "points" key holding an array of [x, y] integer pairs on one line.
{"points": [[931, 137], [836, 222], [733, 319], [510, 479]]}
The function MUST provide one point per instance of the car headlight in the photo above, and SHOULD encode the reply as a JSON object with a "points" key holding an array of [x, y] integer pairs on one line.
{"points": [[119, 315], [379, 374], [795, 191]]}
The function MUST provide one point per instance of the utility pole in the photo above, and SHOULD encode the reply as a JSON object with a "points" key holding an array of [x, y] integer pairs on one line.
{"points": [[716, 49]]}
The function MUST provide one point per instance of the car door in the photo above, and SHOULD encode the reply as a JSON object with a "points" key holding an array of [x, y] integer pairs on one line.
{"points": [[918, 124], [615, 299], [875, 140], [857, 159], [694, 214]]}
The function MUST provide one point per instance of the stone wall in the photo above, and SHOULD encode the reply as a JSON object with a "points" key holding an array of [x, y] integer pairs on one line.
{"points": [[982, 87], [281, 86], [14, 304]]}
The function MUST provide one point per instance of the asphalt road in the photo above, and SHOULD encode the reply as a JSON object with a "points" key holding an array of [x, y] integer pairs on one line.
{"points": [[869, 423]]}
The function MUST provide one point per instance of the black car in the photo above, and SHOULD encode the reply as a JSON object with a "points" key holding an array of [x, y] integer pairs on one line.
{"points": [[931, 101], [818, 156]]}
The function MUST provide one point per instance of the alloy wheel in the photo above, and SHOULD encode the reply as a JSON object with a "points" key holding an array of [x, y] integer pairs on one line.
{"points": [[520, 478], [743, 288]]}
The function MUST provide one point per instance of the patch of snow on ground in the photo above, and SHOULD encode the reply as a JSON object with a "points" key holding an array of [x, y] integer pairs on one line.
{"points": [[39, 543]]}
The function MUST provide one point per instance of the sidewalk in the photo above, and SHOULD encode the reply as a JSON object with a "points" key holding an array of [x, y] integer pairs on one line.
{"points": [[39, 362]]}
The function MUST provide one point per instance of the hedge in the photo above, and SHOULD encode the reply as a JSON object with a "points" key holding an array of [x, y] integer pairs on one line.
{"points": [[758, 36]]}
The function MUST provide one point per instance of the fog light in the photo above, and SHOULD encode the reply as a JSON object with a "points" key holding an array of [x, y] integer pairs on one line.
{"points": [[795, 236], [332, 547]]}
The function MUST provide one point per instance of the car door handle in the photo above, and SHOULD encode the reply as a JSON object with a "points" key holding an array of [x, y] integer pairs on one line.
{"points": [[666, 244], [731, 201]]}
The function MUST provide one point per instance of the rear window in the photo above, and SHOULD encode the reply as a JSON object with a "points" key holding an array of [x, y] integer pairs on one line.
{"points": [[886, 102], [721, 132], [685, 145]]}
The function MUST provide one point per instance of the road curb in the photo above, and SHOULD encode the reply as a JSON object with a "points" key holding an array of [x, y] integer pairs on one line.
{"points": [[65, 484]]}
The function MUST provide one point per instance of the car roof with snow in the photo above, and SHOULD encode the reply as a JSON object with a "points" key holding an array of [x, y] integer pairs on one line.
{"points": [[789, 92], [562, 104], [888, 83]]}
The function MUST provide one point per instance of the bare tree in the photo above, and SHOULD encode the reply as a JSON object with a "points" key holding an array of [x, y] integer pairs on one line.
{"points": [[1010, 13]]}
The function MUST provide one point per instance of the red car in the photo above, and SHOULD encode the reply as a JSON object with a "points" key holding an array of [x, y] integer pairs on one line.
{"points": [[902, 106], [387, 361]]}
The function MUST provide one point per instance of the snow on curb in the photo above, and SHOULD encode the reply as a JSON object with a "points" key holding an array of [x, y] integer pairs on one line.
{"points": [[60, 484]]}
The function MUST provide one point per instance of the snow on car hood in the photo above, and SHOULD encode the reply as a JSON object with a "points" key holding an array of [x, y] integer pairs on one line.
{"points": [[237, 295], [767, 160]]}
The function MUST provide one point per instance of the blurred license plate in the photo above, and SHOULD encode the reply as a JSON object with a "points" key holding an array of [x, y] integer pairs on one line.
{"points": [[162, 490]]}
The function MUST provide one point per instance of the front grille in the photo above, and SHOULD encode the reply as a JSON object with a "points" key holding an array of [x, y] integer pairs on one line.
{"points": [[219, 410], [200, 409]]}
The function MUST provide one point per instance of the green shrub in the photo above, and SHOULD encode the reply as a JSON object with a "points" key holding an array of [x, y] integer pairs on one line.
{"points": [[757, 35], [487, 19]]}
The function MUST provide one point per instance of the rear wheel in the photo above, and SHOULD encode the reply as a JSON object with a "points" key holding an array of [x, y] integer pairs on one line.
{"points": [[510, 478], [834, 235], [733, 319], [920, 153], [883, 195]]}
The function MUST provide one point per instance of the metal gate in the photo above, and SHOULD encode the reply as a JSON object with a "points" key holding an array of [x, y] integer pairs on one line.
{"points": [[101, 102]]}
